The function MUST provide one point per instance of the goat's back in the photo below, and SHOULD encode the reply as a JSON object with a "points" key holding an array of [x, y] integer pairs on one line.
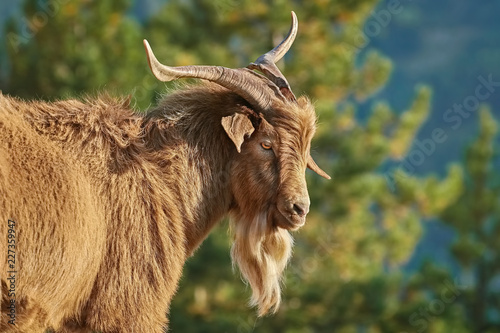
{"points": [[39, 188]]}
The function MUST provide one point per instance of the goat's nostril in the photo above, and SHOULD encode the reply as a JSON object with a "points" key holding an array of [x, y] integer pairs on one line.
{"points": [[300, 209]]}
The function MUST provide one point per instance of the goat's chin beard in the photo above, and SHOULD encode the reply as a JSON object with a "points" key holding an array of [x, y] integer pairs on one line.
{"points": [[261, 251]]}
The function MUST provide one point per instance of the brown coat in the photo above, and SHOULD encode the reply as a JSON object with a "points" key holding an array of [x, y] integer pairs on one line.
{"points": [[109, 203]]}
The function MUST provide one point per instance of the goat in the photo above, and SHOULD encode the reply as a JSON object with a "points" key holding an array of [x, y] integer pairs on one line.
{"points": [[106, 204]]}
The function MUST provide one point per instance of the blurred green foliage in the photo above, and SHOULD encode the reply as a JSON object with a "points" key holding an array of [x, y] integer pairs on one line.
{"points": [[347, 274]]}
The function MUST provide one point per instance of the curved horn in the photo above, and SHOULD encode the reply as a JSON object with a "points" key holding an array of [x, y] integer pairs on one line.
{"points": [[266, 63], [314, 167], [242, 81]]}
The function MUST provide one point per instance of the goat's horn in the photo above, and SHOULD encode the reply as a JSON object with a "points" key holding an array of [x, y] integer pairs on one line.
{"points": [[266, 63], [314, 167], [242, 81]]}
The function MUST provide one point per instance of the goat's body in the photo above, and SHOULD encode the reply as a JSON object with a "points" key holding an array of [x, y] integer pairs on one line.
{"points": [[103, 221], [53, 208]]}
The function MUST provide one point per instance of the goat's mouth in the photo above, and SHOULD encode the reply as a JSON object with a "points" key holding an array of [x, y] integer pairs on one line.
{"points": [[285, 220]]}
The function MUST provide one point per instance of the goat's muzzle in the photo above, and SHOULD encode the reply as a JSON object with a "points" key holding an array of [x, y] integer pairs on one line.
{"points": [[291, 213]]}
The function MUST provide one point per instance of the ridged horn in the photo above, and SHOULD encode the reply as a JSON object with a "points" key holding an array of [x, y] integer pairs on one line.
{"points": [[243, 81], [266, 63]]}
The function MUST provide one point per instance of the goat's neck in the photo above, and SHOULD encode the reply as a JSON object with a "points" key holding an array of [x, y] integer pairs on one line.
{"points": [[198, 158]]}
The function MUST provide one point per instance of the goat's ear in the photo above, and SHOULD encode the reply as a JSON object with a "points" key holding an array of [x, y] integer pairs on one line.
{"points": [[237, 127]]}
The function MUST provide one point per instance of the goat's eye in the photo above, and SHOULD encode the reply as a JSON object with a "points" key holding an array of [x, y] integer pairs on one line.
{"points": [[266, 145]]}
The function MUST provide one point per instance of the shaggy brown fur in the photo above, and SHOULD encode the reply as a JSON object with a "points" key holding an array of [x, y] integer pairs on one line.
{"points": [[109, 203]]}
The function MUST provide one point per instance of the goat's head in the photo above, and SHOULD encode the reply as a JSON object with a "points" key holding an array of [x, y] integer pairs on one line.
{"points": [[272, 134]]}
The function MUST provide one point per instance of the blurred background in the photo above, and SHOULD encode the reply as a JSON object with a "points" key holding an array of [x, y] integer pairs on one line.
{"points": [[406, 236]]}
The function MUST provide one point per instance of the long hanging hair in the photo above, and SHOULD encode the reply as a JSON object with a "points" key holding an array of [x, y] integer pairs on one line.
{"points": [[261, 252]]}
